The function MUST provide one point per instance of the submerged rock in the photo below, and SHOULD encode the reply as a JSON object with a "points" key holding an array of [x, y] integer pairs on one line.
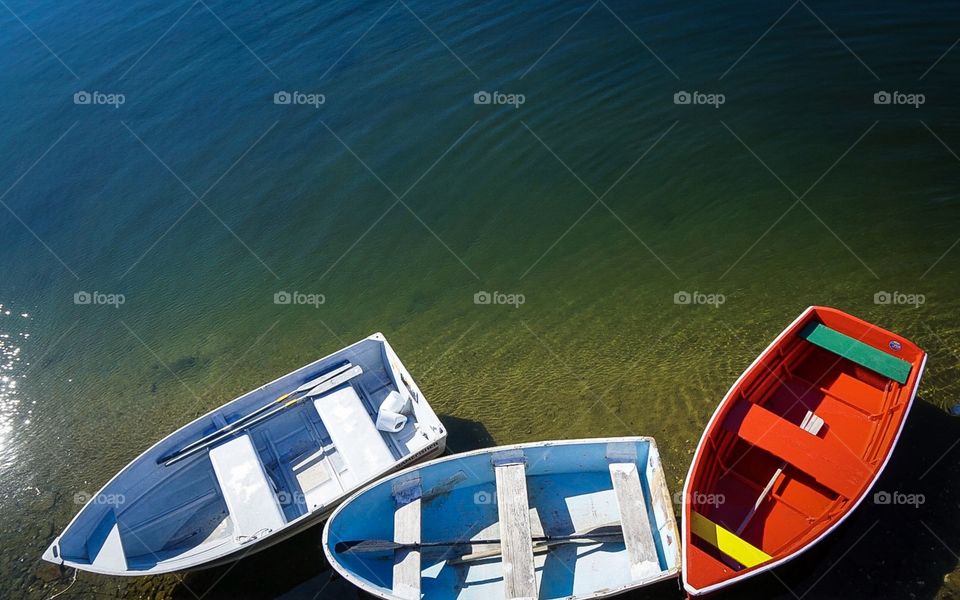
{"points": [[45, 502], [48, 572]]}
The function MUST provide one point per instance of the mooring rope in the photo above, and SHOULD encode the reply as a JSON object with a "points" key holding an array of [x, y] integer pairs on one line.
{"points": [[75, 571]]}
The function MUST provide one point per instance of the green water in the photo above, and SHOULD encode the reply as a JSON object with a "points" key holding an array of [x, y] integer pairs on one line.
{"points": [[492, 198]]}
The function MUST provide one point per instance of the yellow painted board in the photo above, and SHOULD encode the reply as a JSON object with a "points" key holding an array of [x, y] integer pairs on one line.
{"points": [[726, 541]]}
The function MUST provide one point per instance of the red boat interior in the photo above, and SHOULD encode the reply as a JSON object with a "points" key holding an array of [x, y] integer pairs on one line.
{"points": [[798, 442]]}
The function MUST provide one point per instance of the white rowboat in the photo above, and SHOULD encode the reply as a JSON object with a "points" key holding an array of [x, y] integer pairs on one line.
{"points": [[258, 469]]}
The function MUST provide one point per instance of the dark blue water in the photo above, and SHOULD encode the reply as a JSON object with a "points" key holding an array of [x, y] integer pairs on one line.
{"points": [[644, 250]]}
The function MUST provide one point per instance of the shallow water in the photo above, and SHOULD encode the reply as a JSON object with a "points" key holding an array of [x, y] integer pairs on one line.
{"points": [[595, 202]]}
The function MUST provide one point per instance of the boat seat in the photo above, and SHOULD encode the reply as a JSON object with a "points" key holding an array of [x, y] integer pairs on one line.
{"points": [[726, 541], [406, 530], [358, 441], [634, 521], [852, 349], [104, 546], [516, 544], [828, 461], [247, 492]]}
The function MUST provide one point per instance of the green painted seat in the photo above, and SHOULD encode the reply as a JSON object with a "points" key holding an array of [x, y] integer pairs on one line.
{"points": [[852, 349]]}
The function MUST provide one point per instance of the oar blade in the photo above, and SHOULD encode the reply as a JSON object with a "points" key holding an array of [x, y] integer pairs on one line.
{"points": [[365, 546], [333, 382], [318, 380]]}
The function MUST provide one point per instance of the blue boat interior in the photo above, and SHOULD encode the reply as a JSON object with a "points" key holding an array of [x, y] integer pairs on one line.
{"points": [[570, 490], [301, 462]]}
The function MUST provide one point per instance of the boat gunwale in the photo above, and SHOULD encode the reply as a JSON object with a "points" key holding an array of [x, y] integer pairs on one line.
{"points": [[666, 574], [850, 509]]}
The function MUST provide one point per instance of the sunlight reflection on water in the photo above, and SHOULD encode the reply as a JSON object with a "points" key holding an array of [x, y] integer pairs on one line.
{"points": [[12, 335]]}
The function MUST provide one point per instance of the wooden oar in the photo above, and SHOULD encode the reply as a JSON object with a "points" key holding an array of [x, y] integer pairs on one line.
{"points": [[364, 546], [322, 388], [811, 423], [602, 530]]}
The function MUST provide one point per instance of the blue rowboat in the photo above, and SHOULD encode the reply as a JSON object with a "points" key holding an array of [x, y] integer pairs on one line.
{"points": [[567, 519], [258, 469]]}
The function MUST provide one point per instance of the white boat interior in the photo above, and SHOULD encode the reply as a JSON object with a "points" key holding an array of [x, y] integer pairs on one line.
{"points": [[266, 480]]}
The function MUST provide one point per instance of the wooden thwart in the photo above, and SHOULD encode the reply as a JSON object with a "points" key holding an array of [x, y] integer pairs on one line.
{"points": [[865, 355], [727, 542], [519, 577], [246, 489], [812, 424], [827, 460], [637, 535], [406, 530], [359, 443]]}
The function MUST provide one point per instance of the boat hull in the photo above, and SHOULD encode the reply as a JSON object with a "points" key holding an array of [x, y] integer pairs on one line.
{"points": [[795, 446]]}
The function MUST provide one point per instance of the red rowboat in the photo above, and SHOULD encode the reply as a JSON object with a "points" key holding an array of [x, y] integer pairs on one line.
{"points": [[795, 445]]}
